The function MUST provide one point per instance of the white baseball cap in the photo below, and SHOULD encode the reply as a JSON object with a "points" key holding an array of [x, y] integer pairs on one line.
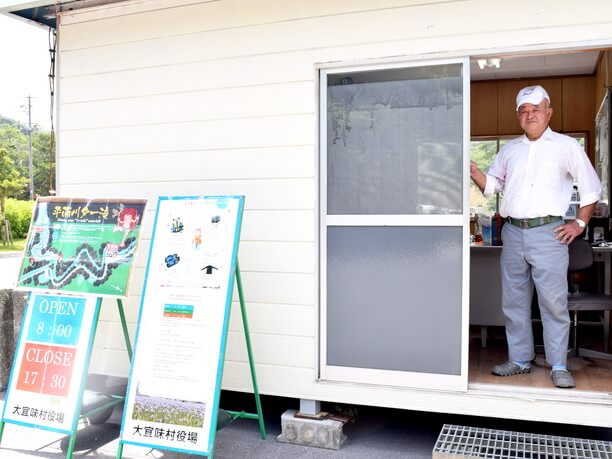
{"points": [[531, 95]]}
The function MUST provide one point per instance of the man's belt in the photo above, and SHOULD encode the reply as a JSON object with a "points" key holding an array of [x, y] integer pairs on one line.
{"points": [[533, 222]]}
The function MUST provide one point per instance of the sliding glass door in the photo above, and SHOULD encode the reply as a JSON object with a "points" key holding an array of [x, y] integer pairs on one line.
{"points": [[394, 224]]}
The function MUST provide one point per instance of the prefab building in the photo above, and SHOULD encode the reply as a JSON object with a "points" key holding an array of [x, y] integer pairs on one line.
{"points": [[347, 126]]}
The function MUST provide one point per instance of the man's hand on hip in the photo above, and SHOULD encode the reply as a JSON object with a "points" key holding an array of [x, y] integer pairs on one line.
{"points": [[568, 232]]}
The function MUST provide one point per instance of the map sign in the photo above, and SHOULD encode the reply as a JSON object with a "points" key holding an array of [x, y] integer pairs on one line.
{"points": [[175, 381], [48, 372], [81, 245]]}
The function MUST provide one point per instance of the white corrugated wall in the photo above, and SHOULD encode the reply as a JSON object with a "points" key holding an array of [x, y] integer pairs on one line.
{"points": [[170, 97]]}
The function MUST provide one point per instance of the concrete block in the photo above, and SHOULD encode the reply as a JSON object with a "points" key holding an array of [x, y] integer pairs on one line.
{"points": [[309, 432]]}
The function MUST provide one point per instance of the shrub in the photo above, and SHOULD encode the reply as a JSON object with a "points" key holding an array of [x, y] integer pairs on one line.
{"points": [[19, 213]]}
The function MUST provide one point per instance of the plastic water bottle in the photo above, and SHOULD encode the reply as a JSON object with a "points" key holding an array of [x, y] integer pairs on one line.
{"points": [[496, 229]]}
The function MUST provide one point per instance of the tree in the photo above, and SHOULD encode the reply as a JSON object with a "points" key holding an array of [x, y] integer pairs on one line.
{"points": [[16, 143], [11, 182], [44, 162], [14, 138]]}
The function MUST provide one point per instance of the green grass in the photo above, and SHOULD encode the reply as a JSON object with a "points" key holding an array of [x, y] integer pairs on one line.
{"points": [[18, 246]]}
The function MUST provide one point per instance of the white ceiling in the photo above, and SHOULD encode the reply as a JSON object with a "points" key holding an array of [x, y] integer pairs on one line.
{"points": [[543, 65]]}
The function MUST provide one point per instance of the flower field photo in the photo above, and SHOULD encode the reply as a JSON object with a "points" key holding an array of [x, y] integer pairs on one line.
{"points": [[169, 411]]}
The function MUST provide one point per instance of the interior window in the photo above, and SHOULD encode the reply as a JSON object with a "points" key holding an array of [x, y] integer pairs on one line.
{"points": [[482, 152]]}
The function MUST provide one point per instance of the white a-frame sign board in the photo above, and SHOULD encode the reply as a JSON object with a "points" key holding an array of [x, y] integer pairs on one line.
{"points": [[175, 382], [51, 360]]}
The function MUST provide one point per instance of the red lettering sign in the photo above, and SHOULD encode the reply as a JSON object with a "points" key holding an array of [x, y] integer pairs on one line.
{"points": [[46, 369]]}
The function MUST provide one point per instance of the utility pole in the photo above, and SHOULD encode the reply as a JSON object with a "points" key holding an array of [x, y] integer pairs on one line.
{"points": [[30, 158]]}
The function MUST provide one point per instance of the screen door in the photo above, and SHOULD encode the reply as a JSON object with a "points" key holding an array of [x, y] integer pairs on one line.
{"points": [[394, 224]]}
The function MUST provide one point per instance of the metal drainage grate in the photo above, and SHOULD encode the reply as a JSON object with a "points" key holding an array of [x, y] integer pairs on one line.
{"points": [[456, 442]]}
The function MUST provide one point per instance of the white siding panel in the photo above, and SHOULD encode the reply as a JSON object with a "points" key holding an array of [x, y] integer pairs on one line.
{"points": [[142, 254], [274, 256], [286, 225], [288, 351], [281, 288], [108, 190], [131, 308], [137, 280], [269, 100], [288, 130], [224, 44], [109, 335], [409, 23], [259, 39], [188, 77], [273, 194], [271, 379], [251, 163], [285, 319], [111, 362], [188, 18]]}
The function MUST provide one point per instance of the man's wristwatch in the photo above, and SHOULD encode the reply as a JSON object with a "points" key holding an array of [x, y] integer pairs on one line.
{"points": [[581, 223]]}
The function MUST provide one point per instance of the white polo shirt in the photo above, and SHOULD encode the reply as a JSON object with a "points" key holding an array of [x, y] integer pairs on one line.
{"points": [[537, 177]]}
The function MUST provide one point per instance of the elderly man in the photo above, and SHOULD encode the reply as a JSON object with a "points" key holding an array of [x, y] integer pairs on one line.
{"points": [[536, 173]]}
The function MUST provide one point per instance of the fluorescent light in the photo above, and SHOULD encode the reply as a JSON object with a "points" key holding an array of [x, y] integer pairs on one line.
{"points": [[493, 63]]}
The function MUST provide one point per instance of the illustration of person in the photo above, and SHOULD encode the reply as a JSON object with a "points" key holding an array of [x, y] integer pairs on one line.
{"points": [[197, 238], [126, 221]]}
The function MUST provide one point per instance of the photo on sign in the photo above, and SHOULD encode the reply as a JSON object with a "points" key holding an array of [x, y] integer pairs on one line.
{"points": [[168, 411], [81, 245]]}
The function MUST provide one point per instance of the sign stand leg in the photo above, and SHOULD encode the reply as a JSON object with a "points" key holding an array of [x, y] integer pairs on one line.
{"points": [[126, 334], [128, 346], [247, 337], [72, 442]]}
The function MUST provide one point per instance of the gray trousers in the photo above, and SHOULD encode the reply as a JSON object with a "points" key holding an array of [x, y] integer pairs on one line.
{"points": [[533, 257]]}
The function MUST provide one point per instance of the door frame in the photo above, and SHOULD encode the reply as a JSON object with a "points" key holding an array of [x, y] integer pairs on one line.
{"points": [[373, 376]]}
